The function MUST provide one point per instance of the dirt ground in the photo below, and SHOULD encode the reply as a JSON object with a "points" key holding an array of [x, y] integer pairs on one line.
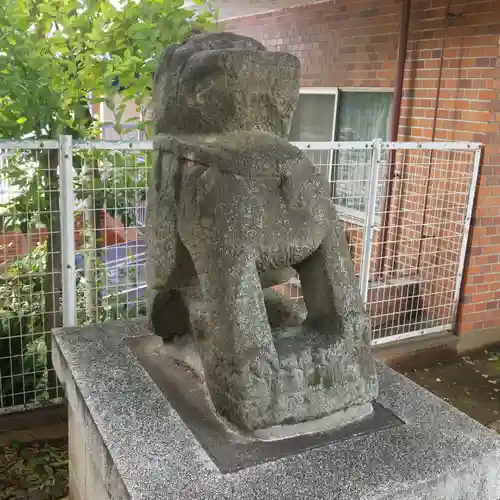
{"points": [[471, 384], [34, 471], [34, 455]]}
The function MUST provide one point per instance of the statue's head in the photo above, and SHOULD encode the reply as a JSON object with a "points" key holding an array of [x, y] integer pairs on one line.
{"points": [[222, 82]]}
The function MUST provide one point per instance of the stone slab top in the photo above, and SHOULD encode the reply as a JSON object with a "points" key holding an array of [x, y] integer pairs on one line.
{"points": [[440, 453]]}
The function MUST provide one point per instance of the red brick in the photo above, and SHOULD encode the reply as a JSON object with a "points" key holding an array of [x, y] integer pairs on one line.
{"points": [[353, 43]]}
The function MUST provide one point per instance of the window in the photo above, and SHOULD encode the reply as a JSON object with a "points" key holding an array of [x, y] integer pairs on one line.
{"points": [[314, 118], [325, 115]]}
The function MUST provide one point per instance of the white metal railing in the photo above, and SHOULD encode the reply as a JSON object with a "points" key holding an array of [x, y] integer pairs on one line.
{"points": [[366, 222], [410, 282]]}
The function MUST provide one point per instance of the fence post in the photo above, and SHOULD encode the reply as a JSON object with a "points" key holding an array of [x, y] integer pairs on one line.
{"points": [[67, 206], [466, 233], [371, 205]]}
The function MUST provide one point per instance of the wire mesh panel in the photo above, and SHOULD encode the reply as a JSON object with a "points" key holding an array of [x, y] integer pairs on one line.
{"points": [[30, 271], [406, 209], [110, 185], [416, 265], [333, 160], [347, 166], [72, 247], [350, 176]]}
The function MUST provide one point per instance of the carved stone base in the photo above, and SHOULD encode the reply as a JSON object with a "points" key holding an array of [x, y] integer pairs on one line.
{"points": [[177, 369], [315, 377]]}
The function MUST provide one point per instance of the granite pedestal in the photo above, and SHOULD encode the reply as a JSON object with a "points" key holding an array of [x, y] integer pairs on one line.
{"points": [[129, 441]]}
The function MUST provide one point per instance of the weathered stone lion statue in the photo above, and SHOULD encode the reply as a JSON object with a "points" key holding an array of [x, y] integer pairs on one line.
{"points": [[232, 205]]}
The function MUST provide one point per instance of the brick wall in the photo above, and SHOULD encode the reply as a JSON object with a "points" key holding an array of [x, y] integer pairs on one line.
{"points": [[336, 49], [353, 43], [481, 290], [339, 43], [465, 113]]}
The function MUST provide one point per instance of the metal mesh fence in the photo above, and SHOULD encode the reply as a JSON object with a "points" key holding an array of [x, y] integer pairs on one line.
{"points": [[110, 185], [417, 259], [406, 209], [30, 271], [73, 215], [348, 167]]}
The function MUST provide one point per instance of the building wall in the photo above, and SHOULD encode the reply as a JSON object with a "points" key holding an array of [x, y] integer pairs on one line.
{"points": [[353, 43], [106, 116], [465, 113], [338, 43], [228, 9]]}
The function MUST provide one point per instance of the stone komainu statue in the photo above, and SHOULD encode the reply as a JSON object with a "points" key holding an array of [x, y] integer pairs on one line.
{"points": [[232, 201]]}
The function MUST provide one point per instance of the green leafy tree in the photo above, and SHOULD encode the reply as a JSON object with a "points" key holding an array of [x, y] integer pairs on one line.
{"points": [[57, 58], [54, 53]]}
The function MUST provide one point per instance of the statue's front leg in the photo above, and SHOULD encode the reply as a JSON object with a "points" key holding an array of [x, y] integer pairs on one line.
{"points": [[238, 353], [335, 312]]}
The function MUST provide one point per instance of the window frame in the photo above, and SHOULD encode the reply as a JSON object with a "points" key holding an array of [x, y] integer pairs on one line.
{"points": [[325, 91], [351, 215]]}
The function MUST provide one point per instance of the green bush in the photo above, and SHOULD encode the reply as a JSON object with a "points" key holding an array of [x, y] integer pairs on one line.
{"points": [[23, 353]]}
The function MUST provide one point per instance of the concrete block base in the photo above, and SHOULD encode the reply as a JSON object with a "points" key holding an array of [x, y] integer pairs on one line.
{"points": [[128, 442]]}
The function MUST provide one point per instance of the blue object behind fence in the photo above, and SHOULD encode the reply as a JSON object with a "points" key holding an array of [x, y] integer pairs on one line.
{"points": [[125, 271]]}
